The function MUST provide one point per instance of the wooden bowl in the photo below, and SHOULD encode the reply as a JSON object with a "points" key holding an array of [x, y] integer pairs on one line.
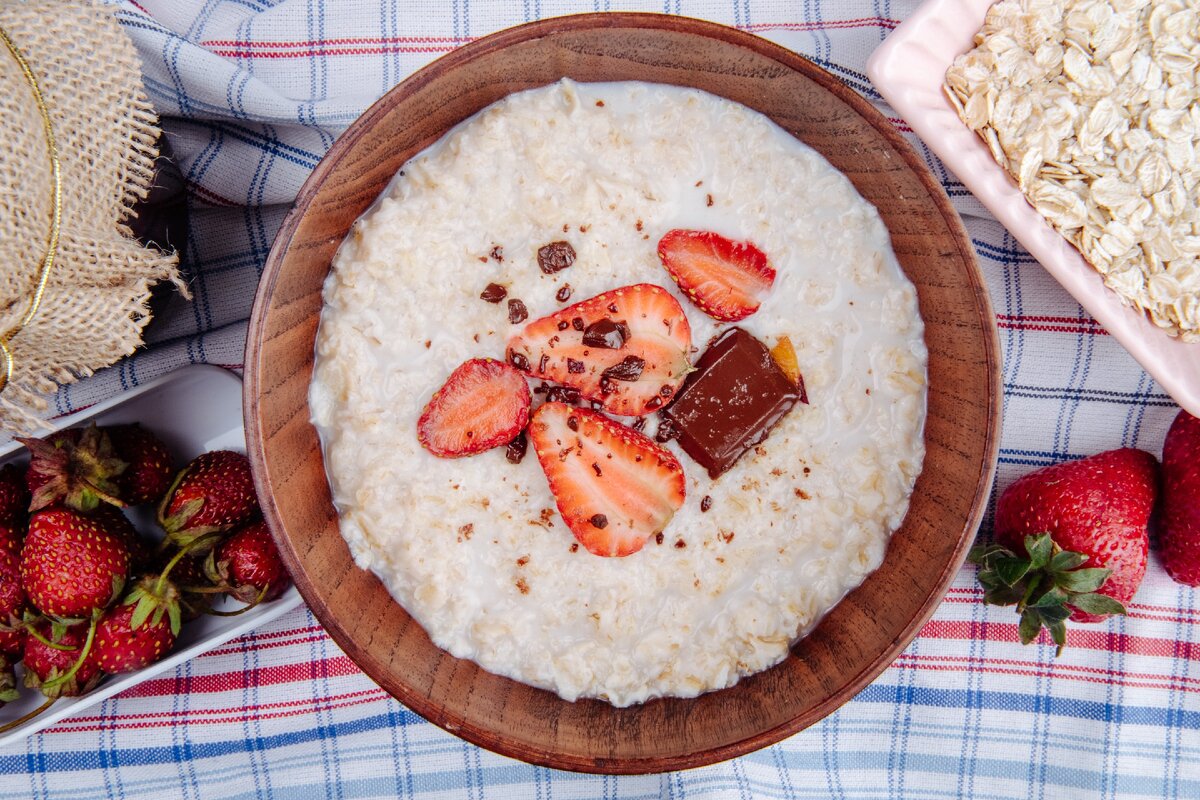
{"points": [[862, 634]]}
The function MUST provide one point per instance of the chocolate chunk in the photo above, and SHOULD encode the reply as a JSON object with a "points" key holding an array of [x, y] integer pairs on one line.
{"points": [[516, 449], [573, 423], [542, 362], [730, 402], [517, 312], [518, 360], [666, 431], [607, 334], [577, 323], [563, 294], [493, 293], [574, 367], [563, 324], [563, 394], [629, 370], [555, 257], [705, 503], [639, 424], [599, 521]]}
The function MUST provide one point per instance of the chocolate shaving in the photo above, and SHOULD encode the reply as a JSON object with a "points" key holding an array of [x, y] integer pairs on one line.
{"points": [[705, 503], [574, 367], [577, 323], [493, 293], [607, 334], [563, 394], [517, 312], [516, 449], [555, 257], [563, 294], [518, 360], [628, 370], [599, 521]]}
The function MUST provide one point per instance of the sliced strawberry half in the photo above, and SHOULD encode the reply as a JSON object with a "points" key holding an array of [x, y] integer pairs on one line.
{"points": [[615, 488], [484, 403], [627, 348], [724, 278]]}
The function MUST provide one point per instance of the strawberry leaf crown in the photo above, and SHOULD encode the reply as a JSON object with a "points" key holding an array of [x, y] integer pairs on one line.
{"points": [[1044, 584]]}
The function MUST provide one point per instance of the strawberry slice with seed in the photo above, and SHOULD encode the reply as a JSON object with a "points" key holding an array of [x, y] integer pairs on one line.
{"points": [[484, 403], [726, 279], [626, 348], [615, 488]]}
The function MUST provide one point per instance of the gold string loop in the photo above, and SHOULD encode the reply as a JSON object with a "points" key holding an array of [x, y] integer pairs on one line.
{"points": [[6, 356]]}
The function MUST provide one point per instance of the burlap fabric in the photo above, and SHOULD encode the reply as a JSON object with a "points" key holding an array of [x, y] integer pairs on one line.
{"points": [[95, 304]]}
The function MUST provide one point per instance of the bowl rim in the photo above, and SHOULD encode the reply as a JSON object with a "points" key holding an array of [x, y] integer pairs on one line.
{"points": [[464, 727]]}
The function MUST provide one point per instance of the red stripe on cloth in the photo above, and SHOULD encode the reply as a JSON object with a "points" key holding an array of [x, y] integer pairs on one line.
{"points": [[231, 48], [170, 717], [345, 51], [342, 41], [1036, 672], [225, 651], [1077, 639], [1136, 610], [249, 714], [1054, 670], [861, 22], [1051, 324], [333, 667]]}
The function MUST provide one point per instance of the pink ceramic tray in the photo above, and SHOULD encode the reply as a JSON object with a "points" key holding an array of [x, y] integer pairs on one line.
{"points": [[908, 69]]}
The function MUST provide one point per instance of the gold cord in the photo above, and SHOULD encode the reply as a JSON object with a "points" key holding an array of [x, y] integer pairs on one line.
{"points": [[6, 357]]}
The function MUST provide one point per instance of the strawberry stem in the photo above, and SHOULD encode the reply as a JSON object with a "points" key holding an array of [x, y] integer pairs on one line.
{"points": [[262, 593], [55, 645], [199, 541], [54, 683], [8, 726]]}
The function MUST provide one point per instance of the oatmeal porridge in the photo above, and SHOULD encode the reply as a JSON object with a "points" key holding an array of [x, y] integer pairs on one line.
{"points": [[452, 263]]}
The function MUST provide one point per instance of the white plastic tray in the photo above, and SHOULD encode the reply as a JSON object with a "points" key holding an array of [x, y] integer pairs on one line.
{"points": [[193, 409], [908, 69]]}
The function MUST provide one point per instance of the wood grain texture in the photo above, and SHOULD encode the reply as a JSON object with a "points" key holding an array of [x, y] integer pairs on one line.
{"points": [[862, 634]]}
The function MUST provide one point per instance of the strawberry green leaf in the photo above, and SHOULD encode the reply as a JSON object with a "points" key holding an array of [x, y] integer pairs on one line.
{"points": [[1040, 548], [1002, 596], [1065, 560], [1083, 580], [1054, 613], [1011, 569], [1031, 625], [1097, 604], [1058, 632], [1053, 597]]}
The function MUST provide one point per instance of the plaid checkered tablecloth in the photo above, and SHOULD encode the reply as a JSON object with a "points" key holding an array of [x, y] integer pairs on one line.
{"points": [[252, 93]]}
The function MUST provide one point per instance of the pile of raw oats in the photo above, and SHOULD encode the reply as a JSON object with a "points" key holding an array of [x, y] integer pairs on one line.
{"points": [[1092, 106]]}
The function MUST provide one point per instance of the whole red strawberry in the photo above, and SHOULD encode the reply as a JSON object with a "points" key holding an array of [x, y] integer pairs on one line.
{"points": [[12, 537], [72, 564], [47, 667], [125, 643], [147, 475], [14, 496], [247, 565], [1180, 528], [12, 605], [214, 492], [76, 468], [141, 551], [1071, 540]]}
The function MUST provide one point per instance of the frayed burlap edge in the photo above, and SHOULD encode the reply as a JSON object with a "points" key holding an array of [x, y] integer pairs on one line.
{"points": [[96, 301]]}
